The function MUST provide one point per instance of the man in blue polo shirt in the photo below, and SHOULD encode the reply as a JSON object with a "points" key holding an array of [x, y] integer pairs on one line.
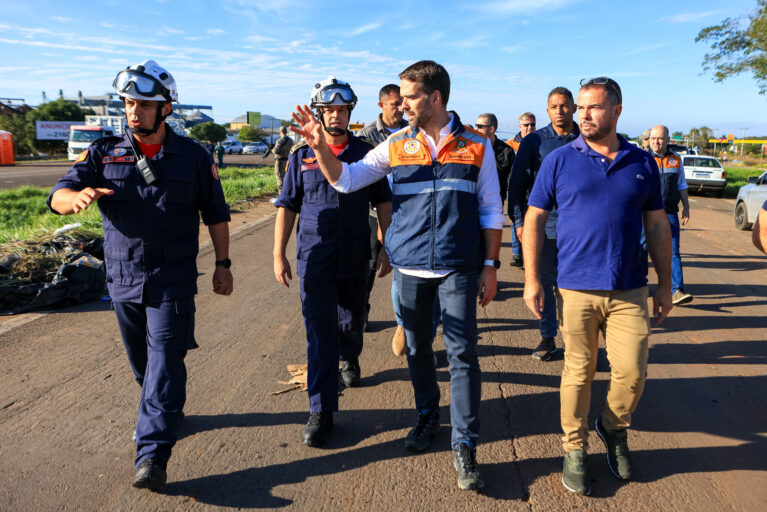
{"points": [[532, 150], [605, 190]]}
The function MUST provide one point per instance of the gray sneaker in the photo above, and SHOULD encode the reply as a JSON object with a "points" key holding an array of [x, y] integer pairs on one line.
{"points": [[465, 462], [545, 349], [680, 297], [617, 448], [575, 476]]}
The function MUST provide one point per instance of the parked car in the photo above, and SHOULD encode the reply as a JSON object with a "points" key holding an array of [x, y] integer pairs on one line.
{"points": [[255, 148], [232, 146], [704, 173], [750, 199]]}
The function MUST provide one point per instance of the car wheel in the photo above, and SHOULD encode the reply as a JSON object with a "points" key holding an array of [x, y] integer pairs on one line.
{"points": [[741, 217]]}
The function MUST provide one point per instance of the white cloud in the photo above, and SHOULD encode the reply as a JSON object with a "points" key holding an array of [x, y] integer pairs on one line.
{"points": [[688, 16], [365, 28], [215, 31], [517, 7], [255, 38], [62, 19], [170, 30]]}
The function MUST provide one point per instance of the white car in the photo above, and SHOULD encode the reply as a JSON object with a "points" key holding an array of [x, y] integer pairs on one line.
{"points": [[750, 199], [704, 173], [255, 148], [232, 146]]}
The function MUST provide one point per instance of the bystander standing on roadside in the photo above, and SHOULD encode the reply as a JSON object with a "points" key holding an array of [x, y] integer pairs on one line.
{"points": [[220, 154]]}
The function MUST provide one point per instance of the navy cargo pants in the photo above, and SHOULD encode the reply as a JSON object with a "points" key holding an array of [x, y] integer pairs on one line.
{"points": [[334, 311], [156, 340]]}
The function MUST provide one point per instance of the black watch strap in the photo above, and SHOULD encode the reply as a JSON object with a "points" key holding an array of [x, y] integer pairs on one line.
{"points": [[226, 263]]}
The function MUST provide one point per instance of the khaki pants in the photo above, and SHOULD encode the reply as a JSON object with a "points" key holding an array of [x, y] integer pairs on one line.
{"points": [[279, 172], [623, 318]]}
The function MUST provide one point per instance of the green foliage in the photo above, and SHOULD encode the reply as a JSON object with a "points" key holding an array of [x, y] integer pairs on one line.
{"points": [[24, 214], [249, 133], [738, 49], [23, 126], [209, 131]]}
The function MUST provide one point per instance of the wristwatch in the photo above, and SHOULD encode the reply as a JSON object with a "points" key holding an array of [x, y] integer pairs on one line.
{"points": [[492, 263], [226, 263]]}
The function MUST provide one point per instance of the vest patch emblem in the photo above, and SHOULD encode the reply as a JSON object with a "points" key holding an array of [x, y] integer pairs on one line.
{"points": [[411, 147], [309, 167], [460, 144], [117, 151], [118, 159], [82, 156], [672, 161], [309, 160]]}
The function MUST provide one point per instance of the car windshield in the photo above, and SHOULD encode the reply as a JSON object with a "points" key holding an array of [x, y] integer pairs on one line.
{"points": [[702, 162], [87, 135]]}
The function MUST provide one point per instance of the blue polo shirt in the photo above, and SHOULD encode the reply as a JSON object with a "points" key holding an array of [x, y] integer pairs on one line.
{"points": [[600, 207]]}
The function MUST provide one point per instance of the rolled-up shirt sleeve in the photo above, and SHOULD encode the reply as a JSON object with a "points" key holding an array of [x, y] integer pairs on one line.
{"points": [[489, 192], [360, 174]]}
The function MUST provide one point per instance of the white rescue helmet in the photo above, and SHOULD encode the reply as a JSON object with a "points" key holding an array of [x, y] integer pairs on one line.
{"points": [[146, 81], [332, 92]]}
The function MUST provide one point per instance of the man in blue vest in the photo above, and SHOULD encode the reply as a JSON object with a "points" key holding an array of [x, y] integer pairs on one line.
{"points": [[532, 150], [674, 187], [444, 242], [333, 253], [150, 185]]}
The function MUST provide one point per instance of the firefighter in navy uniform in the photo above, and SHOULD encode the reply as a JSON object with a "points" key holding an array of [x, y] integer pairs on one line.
{"points": [[151, 186], [333, 253]]}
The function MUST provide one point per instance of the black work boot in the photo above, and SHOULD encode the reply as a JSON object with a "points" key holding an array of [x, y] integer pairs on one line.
{"points": [[150, 474], [465, 462], [317, 428], [545, 349], [419, 437], [350, 373]]}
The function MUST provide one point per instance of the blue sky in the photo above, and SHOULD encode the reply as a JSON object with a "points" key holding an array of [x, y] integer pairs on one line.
{"points": [[502, 56]]}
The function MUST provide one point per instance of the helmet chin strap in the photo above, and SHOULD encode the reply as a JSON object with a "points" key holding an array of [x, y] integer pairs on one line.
{"points": [[332, 130]]}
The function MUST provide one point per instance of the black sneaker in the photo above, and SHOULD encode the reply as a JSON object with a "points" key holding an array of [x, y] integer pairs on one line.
{"points": [[465, 462], [317, 428], [545, 349], [150, 474], [575, 476], [419, 438], [516, 261], [617, 448], [350, 373]]}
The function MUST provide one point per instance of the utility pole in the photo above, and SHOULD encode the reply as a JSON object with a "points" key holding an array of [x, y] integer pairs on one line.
{"points": [[742, 139]]}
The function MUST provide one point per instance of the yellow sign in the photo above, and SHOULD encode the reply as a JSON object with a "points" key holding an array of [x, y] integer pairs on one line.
{"points": [[356, 126], [731, 136], [740, 141]]}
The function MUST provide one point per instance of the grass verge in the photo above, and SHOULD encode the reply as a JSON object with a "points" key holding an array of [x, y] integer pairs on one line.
{"points": [[24, 214]]}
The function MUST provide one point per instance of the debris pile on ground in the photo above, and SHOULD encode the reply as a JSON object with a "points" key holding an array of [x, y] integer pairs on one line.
{"points": [[60, 270]]}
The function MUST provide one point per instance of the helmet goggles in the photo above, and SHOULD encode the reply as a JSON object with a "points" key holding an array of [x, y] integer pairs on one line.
{"points": [[143, 84], [328, 95]]}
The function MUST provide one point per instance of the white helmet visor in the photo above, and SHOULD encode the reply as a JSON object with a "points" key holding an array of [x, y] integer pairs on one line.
{"points": [[142, 84]]}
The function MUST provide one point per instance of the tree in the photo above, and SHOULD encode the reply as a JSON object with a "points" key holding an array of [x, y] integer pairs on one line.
{"points": [[737, 49], [250, 133], [208, 131], [24, 131]]}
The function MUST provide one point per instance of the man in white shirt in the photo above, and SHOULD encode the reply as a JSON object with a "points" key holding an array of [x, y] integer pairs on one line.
{"points": [[444, 243]]}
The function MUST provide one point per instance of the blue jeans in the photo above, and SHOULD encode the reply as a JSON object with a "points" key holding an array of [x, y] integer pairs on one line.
{"points": [[398, 308], [516, 245], [677, 281], [457, 295], [547, 273]]}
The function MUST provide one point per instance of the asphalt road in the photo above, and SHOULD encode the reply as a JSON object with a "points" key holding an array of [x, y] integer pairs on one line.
{"points": [[68, 403], [45, 173]]}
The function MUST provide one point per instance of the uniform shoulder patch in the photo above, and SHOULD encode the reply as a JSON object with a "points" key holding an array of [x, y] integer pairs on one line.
{"points": [[367, 140], [298, 145], [82, 156]]}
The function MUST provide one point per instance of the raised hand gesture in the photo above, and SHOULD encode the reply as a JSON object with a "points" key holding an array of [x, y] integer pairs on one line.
{"points": [[309, 128]]}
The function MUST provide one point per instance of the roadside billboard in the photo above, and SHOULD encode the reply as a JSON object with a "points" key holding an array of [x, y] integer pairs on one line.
{"points": [[53, 130]]}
